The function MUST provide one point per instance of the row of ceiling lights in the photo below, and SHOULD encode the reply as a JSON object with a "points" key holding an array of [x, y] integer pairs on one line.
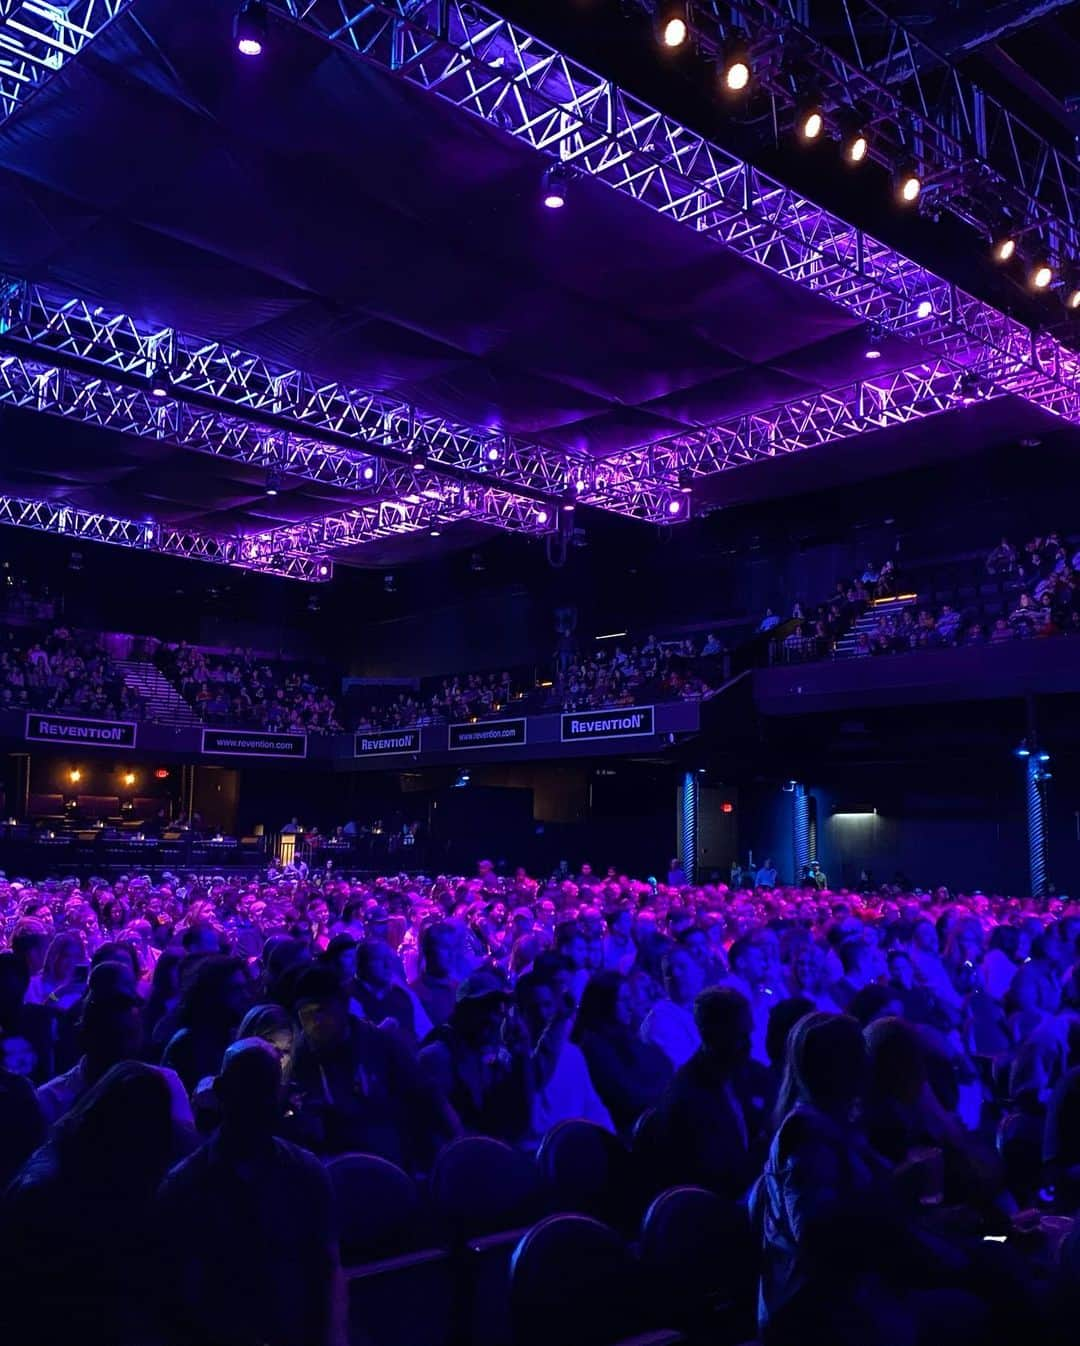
{"points": [[736, 73]]}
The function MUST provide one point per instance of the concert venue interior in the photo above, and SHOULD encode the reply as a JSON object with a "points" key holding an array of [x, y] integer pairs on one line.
{"points": [[517, 821]]}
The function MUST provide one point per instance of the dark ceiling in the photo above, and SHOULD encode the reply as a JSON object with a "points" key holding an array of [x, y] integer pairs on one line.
{"points": [[310, 209]]}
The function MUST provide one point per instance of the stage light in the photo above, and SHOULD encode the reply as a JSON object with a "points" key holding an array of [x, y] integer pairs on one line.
{"points": [[324, 570], [1022, 751], [556, 181], [493, 454], [809, 119], [908, 185], [874, 338], [1042, 275], [735, 65], [159, 381], [368, 473], [672, 25], [75, 775], [542, 516], [924, 309], [970, 387], [274, 479], [674, 507], [1004, 248], [435, 532], [129, 778], [1042, 756], [249, 28], [856, 147], [1073, 298]]}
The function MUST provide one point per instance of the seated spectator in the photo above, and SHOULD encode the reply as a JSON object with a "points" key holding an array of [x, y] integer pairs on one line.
{"points": [[76, 1252], [769, 621], [435, 987], [948, 623], [712, 646], [628, 1073], [1002, 632], [670, 1024], [216, 998], [562, 1087], [712, 1114], [251, 1252], [377, 996], [357, 1085], [480, 1062], [1003, 559]]}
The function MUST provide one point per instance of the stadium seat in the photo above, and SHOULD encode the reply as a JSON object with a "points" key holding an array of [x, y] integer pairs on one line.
{"points": [[649, 1154], [480, 1186], [572, 1282], [402, 1301], [377, 1207], [696, 1253], [587, 1170]]}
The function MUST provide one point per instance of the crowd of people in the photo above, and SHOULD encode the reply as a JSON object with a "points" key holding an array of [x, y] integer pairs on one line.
{"points": [[242, 689], [653, 670], [64, 672], [177, 1057]]}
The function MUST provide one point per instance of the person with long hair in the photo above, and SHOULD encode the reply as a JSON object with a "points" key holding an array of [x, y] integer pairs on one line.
{"points": [[76, 1245], [627, 1073], [211, 1007], [55, 985]]}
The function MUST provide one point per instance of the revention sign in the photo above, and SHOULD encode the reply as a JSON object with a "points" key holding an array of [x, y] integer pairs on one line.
{"points": [[390, 744], [84, 733], [253, 743], [488, 734], [633, 722]]}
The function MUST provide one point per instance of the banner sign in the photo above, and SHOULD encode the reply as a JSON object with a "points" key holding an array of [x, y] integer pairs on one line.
{"points": [[253, 743], [630, 722], [83, 733], [489, 734], [390, 744]]}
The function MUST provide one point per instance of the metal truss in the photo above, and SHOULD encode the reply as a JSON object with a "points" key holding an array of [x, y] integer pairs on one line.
{"points": [[38, 38], [502, 74], [234, 404], [809, 422], [993, 170], [80, 525], [424, 512]]}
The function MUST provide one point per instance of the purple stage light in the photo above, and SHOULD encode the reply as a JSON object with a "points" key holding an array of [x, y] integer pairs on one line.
{"points": [[542, 516], [872, 353], [674, 507], [493, 454], [368, 473], [556, 178], [324, 570], [249, 28]]}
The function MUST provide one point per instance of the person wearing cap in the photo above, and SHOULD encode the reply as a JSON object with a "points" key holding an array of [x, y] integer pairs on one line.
{"points": [[480, 1060], [357, 1085]]}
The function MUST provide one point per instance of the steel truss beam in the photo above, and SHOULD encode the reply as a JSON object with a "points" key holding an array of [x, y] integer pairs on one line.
{"points": [[502, 74], [234, 404], [38, 38], [992, 170], [80, 525], [808, 422]]}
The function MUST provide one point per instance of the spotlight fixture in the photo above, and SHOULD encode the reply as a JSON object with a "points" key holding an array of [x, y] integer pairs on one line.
{"points": [[492, 454], [685, 482], [129, 778], [274, 480], [908, 184], [1072, 299], [1042, 275], [75, 775], [1004, 248], [674, 507], [324, 570], [418, 460], [435, 532], [970, 387], [556, 182], [856, 147], [672, 25], [159, 380], [249, 28], [368, 473], [924, 309], [809, 119], [542, 516], [875, 337], [735, 64]]}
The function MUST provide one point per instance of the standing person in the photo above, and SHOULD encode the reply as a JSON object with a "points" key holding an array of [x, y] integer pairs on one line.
{"points": [[76, 1251], [248, 1224], [766, 875]]}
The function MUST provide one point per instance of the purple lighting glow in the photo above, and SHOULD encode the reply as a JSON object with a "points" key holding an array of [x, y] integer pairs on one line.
{"points": [[541, 516], [249, 29], [493, 454], [555, 183], [674, 507], [368, 473]]}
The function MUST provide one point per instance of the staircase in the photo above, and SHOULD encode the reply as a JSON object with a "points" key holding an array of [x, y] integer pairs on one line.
{"points": [[867, 622], [162, 701]]}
